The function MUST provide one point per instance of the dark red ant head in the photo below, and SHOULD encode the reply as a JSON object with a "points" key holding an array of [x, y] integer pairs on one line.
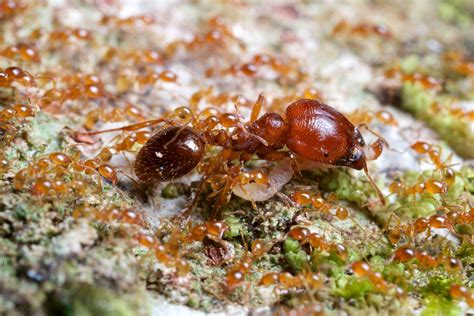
{"points": [[355, 158]]}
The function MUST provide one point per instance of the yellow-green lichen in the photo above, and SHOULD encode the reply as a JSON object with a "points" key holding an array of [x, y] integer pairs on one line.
{"points": [[457, 132]]}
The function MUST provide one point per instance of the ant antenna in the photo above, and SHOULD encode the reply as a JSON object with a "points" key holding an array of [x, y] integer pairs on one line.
{"points": [[129, 128], [257, 107]]}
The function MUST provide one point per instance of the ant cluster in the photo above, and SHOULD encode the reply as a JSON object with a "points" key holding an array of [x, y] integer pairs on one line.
{"points": [[406, 254], [261, 63], [363, 270], [459, 63], [251, 157], [453, 62], [45, 176], [285, 280], [426, 81], [305, 198], [315, 240]]}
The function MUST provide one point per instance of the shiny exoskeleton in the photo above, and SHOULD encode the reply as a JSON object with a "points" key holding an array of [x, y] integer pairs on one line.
{"points": [[169, 154], [311, 129]]}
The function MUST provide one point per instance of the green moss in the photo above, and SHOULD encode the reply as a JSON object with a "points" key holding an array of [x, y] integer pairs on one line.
{"points": [[394, 272], [439, 284], [439, 306], [411, 206], [416, 99], [235, 227], [297, 260], [467, 174], [291, 245], [193, 302], [352, 287], [44, 133], [454, 11], [173, 190], [87, 300], [410, 63], [6, 267], [296, 257], [334, 265], [466, 253], [455, 131], [346, 187]]}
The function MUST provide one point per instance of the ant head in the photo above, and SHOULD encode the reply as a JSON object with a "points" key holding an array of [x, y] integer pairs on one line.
{"points": [[355, 158], [364, 151]]}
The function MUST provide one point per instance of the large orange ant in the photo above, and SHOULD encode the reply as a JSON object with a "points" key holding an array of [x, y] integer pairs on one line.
{"points": [[310, 129]]}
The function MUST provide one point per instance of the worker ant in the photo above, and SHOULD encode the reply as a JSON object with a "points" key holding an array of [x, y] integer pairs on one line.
{"points": [[311, 130]]}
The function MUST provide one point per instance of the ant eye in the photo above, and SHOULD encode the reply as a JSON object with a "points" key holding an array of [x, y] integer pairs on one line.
{"points": [[358, 137], [356, 154]]}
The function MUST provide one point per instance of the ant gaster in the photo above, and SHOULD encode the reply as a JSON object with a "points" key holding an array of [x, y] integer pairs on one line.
{"points": [[310, 129]]}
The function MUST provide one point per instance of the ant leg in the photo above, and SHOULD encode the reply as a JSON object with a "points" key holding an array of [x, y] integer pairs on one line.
{"points": [[132, 127], [364, 125], [254, 205], [285, 199], [177, 135], [247, 293], [222, 198], [385, 227], [204, 178], [356, 223], [188, 210], [257, 107], [49, 77], [374, 185], [393, 215], [135, 182]]}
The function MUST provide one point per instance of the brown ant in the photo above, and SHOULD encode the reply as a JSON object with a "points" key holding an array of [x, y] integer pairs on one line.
{"points": [[311, 129]]}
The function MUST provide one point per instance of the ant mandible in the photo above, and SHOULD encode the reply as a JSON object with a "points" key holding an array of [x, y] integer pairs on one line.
{"points": [[310, 129]]}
